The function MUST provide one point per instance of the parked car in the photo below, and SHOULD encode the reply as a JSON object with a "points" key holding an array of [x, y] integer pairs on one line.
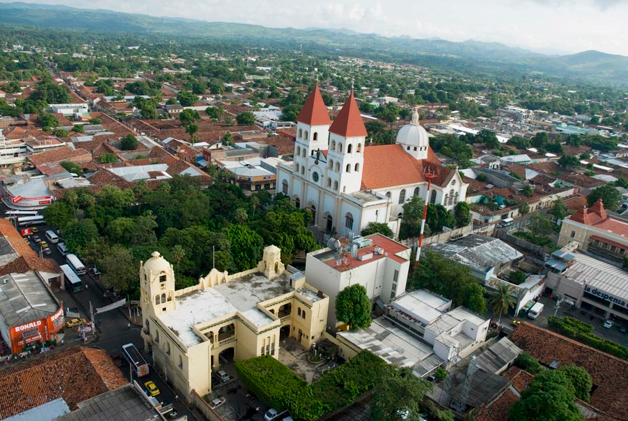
{"points": [[37, 238], [272, 414], [152, 388], [216, 402], [224, 377], [623, 329], [43, 244], [95, 271], [47, 251], [608, 324], [34, 230], [74, 323]]}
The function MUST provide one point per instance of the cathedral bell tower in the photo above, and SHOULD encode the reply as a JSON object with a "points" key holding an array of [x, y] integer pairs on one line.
{"points": [[157, 285]]}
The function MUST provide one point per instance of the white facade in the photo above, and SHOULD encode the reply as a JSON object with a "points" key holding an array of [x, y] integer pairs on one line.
{"points": [[381, 268]]}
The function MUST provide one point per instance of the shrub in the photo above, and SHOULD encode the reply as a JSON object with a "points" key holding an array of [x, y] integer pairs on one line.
{"points": [[277, 386], [441, 373], [583, 332], [528, 363]]}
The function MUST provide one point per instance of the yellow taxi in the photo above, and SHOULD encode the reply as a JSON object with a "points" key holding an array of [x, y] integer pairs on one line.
{"points": [[74, 323], [152, 388]]}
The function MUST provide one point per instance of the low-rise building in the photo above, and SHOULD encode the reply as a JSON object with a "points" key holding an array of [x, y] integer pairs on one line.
{"points": [[419, 330], [376, 262], [596, 232], [192, 331], [589, 283]]}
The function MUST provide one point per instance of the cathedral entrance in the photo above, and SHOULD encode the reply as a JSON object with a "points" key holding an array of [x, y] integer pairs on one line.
{"points": [[329, 223]]}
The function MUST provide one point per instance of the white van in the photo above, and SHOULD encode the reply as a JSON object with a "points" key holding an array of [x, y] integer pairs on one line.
{"points": [[62, 249], [506, 222], [52, 237]]}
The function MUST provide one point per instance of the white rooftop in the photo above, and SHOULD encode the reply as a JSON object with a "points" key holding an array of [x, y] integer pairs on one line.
{"points": [[141, 172], [599, 275], [422, 305], [245, 293], [199, 307]]}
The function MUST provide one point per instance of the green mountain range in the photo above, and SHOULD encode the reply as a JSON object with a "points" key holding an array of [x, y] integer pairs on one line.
{"points": [[469, 56]]}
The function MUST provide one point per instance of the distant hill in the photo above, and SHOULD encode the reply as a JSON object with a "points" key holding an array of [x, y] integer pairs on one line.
{"points": [[475, 56]]}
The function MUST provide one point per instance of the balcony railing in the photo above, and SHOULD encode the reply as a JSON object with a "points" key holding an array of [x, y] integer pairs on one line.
{"points": [[223, 337]]}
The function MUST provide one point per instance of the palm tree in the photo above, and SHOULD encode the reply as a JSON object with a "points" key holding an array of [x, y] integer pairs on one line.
{"points": [[502, 300]]}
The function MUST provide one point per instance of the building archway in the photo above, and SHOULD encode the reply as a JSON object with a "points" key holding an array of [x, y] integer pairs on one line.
{"points": [[312, 208], [226, 356], [284, 332], [329, 223]]}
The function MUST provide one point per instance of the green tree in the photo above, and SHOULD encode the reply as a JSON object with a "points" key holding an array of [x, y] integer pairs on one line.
{"points": [[559, 210], [246, 246], [227, 139], [129, 143], [48, 121], [119, 269], [524, 208], [580, 379], [192, 129], [488, 138], [398, 395], [539, 226], [186, 98], [61, 133], [108, 158], [189, 116], [568, 161], [79, 234], [178, 253], [462, 214], [212, 112], [132, 231], [95, 121], [517, 277], [527, 190], [71, 167], [502, 300], [59, 214], [528, 363], [245, 119], [353, 307], [378, 227], [412, 217], [78, 128], [550, 397], [609, 194]]}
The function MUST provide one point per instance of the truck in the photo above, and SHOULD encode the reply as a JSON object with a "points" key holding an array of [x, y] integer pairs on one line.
{"points": [[139, 364], [535, 310]]}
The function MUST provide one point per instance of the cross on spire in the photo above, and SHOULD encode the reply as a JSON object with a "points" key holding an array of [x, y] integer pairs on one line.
{"points": [[352, 82]]}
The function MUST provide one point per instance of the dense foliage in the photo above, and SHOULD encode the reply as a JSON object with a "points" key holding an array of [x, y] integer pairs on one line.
{"points": [[353, 307], [583, 332]]}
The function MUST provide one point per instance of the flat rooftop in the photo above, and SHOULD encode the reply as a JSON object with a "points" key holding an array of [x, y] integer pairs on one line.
{"points": [[478, 251], [422, 305], [598, 275], [195, 308], [393, 344], [24, 298], [390, 248]]}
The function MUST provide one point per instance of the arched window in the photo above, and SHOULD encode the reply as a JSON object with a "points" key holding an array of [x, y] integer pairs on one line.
{"points": [[456, 198], [407, 148], [328, 182], [307, 135], [180, 361], [157, 336], [445, 201], [348, 167], [349, 221], [313, 151], [451, 197], [339, 147], [357, 167], [331, 164], [297, 203], [284, 187], [300, 133], [359, 149], [157, 301], [349, 148], [335, 185], [388, 194], [337, 166], [417, 191], [298, 151], [303, 153], [433, 198], [302, 170], [297, 166], [168, 348], [163, 297], [333, 145], [315, 136], [402, 196]]}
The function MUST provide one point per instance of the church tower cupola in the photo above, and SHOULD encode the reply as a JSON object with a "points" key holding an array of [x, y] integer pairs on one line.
{"points": [[413, 138]]}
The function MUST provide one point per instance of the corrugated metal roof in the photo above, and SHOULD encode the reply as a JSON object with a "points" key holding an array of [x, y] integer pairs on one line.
{"points": [[597, 274]]}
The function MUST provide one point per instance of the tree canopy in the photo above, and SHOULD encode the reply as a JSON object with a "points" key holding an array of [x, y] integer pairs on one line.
{"points": [[353, 307], [609, 195]]}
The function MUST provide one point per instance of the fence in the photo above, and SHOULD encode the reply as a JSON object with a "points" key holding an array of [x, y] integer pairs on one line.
{"points": [[521, 243], [441, 237], [203, 406]]}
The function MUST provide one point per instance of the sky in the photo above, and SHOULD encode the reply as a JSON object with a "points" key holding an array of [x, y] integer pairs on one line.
{"points": [[547, 26]]}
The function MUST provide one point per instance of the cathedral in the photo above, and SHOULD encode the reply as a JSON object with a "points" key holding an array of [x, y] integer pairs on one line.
{"points": [[347, 184]]}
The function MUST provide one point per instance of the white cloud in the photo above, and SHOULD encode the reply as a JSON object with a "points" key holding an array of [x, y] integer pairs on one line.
{"points": [[566, 25]]}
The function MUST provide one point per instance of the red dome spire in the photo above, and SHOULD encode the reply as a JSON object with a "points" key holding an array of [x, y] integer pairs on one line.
{"points": [[349, 122], [314, 112]]}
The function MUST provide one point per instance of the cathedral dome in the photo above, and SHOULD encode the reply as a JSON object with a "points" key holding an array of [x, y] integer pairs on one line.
{"points": [[413, 134]]}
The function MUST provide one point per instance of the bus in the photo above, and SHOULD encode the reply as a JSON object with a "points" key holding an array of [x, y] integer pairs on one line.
{"points": [[14, 213], [139, 364], [76, 264], [72, 281], [30, 220]]}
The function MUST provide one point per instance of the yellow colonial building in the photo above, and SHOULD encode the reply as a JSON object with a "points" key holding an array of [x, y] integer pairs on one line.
{"points": [[193, 331]]}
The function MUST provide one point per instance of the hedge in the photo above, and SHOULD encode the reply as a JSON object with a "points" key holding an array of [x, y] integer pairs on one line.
{"points": [[277, 386], [583, 332]]}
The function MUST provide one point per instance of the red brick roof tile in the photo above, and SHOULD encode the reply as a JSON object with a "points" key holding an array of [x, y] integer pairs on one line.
{"points": [[314, 111], [349, 122]]}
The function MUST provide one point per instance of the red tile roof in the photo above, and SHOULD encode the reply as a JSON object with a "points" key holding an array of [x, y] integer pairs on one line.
{"points": [[17, 242], [389, 165], [25, 264], [59, 155], [597, 217], [349, 122], [609, 373], [391, 248], [314, 111], [75, 375], [498, 408]]}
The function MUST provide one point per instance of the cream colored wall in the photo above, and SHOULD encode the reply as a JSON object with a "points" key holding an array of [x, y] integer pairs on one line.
{"points": [[582, 235]]}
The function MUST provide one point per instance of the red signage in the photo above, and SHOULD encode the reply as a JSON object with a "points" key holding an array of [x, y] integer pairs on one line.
{"points": [[26, 231], [16, 199]]}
